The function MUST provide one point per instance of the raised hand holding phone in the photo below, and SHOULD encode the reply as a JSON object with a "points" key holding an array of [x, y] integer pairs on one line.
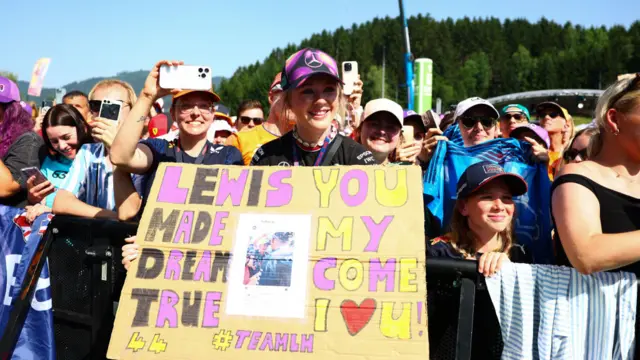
{"points": [[152, 89], [104, 130]]}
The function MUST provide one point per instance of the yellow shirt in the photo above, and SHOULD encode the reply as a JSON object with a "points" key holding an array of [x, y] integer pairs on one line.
{"points": [[554, 157], [249, 141]]}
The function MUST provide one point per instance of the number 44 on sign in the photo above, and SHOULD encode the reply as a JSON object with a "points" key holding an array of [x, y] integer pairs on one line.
{"points": [[137, 343]]}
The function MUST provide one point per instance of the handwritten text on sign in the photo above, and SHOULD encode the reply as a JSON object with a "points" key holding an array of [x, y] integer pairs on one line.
{"points": [[308, 261]]}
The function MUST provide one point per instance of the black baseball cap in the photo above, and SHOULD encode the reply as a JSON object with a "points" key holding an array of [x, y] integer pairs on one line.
{"points": [[481, 173]]}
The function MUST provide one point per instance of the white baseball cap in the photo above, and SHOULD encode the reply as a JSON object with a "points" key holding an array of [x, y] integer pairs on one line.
{"points": [[469, 103], [378, 105], [219, 125]]}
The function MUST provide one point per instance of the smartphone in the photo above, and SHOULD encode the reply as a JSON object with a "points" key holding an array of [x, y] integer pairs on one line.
{"points": [[47, 103], [44, 110], [407, 134], [110, 109], [34, 171], [185, 77], [349, 75]]}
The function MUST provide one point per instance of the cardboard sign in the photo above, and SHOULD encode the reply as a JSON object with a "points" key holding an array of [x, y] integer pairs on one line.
{"points": [[277, 263]]}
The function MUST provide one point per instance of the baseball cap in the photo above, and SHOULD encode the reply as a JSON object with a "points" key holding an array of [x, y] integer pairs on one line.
{"points": [[8, 91], [552, 105], [222, 111], [276, 85], [305, 63], [410, 115], [469, 103], [219, 125], [539, 134], [379, 105], [516, 108], [158, 125], [479, 174], [214, 97], [26, 107]]}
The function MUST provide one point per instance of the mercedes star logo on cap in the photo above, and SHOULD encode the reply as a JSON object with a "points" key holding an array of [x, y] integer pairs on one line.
{"points": [[311, 61]]}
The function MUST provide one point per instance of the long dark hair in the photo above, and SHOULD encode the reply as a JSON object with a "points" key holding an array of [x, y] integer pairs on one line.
{"points": [[65, 115], [15, 123]]}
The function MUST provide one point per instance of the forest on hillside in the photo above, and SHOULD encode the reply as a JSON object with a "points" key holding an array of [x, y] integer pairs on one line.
{"points": [[472, 57]]}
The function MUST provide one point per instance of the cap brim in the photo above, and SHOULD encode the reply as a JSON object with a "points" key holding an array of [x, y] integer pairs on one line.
{"points": [[549, 105], [517, 185], [224, 116], [401, 122], [300, 81], [416, 118], [215, 97], [6, 100], [523, 129]]}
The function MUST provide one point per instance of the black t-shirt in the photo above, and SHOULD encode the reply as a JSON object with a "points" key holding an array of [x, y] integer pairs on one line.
{"points": [[27, 151], [279, 152], [441, 247]]}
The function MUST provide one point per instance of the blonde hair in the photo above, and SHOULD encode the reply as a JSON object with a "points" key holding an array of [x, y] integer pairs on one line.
{"points": [[611, 99], [568, 135], [131, 94], [588, 131], [462, 238]]}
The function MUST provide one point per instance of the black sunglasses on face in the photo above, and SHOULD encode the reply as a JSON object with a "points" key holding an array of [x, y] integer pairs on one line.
{"points": [[246, 120], [517, 117], [469, 122], [572, 154]]}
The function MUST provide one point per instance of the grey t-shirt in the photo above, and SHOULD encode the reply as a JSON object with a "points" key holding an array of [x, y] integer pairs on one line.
{"points": [[28, 150]]}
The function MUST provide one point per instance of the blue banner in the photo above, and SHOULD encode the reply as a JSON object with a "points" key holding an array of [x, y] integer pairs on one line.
{"points": [[451, 159], [18, 245]]}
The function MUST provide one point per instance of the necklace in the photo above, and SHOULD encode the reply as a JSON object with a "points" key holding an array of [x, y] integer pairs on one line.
{"points": [[314, 146], [627, 178]]}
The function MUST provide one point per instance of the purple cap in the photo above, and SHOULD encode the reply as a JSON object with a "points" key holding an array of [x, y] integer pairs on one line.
{"points": [[539, 134], [8, 91], [305, 63], [26, 107]]}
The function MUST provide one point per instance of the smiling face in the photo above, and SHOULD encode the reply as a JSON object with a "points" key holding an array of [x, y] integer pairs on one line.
{"points": [[64, 140], [194, 114], [510, 121], [490, 208], [380, 133], [552, 120], [477, 125], [315, 102]]}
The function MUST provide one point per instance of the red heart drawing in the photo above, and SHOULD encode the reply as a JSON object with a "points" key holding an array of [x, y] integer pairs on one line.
{"points": [[355, 316]]}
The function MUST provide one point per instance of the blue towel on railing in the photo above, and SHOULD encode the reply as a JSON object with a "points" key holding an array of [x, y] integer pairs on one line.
{"points": [[19, 241], [451, 159], [553, 312]]}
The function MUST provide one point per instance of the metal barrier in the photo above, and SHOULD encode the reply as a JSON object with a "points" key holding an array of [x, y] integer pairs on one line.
{"points": [[462, 321]]}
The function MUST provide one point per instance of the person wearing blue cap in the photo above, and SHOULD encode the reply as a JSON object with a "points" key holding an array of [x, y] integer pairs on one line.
{"points": [[483, 221]]}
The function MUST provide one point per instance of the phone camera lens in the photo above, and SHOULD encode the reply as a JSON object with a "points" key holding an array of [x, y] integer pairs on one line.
{"points": [[203, 76], [206, 70], [347, 67], [200, 70]]}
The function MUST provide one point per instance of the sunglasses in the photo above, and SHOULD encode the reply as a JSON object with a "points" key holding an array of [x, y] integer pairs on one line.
{"points": [[469, 122], [572, 154], [246, 120], [94, 105], [552, 114], [517, 117]]}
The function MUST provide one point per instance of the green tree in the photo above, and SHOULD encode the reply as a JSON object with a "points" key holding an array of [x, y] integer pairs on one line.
{"points": [[373, 85], [9, 75]]}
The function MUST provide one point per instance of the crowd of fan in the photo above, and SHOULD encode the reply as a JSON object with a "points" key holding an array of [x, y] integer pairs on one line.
{"points": [[104, 169]]}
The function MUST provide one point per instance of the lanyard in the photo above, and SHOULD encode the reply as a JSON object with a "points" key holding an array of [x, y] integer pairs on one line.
{"points": [[297, 159], [199, 159]]}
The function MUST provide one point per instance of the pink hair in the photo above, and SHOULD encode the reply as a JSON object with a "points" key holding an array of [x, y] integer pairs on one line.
{"points": [[15, 122]]}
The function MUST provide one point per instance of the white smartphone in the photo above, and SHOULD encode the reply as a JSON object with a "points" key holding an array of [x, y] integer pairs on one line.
{"points": [[185, 77], [34, 171], [407, 134], [110, 109], [349, 75]]}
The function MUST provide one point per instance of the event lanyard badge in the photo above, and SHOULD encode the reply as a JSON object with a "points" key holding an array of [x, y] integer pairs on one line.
{"points": [[297, 159], [199, 159]]}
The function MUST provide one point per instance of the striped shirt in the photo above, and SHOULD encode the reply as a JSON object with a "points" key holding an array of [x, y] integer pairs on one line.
{"points": [[552, 312], [90, 177]]}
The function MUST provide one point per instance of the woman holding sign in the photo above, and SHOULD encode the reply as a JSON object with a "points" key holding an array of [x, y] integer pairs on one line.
{"points": [[483, 220], [313, 93]]}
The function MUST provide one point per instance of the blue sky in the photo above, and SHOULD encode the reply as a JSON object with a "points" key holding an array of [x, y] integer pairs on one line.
{"points": [[88, 38]]}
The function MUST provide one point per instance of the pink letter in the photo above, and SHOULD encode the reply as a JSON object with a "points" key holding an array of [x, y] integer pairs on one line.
{"points": [[203, 271], [386, 273], [281, 342], [172, 271], [217, 227], [233, 188], [167, 311], [283, 192], [184, 228], [211, 307], [363, 187], [267, 342], [169, 191], [319, 270], [255, 338], [242, 336], [293, 344], [375, 231], [306, 343]]}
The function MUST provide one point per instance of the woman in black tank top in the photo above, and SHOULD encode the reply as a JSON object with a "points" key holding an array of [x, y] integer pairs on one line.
{"points": [[596, 203]]}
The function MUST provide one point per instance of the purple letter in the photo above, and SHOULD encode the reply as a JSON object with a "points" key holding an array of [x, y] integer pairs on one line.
{"points": [[281, 342], [211, 307], [184, 228], [255, 338], [363, 187], [242, 336], [377, 272], [293, 345], [306, 343], [169, 191], [233, 188], [172, 271], [167, 311], [267, 342], [319, 270], [283, 192], [203, 270], [217, 227], [375, 231]]}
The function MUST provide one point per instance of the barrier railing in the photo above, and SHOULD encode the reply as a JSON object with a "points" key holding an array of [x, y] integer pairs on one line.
{"points": [[462, 322]]}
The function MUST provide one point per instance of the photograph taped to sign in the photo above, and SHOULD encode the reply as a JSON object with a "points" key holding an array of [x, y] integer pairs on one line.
{"points": [[271, 279]]}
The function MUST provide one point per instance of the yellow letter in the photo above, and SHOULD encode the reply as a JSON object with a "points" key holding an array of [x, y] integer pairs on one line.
{"points": [[322, 306], [325, 188], [407, 277], [326, 228], [399, 328], [353, 282], [395, 197]]}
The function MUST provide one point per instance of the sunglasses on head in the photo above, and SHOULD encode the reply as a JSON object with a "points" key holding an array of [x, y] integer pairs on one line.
{"points": [[630, 87], [572, 154], [246, 120], [469, 122], [517, 117]]}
